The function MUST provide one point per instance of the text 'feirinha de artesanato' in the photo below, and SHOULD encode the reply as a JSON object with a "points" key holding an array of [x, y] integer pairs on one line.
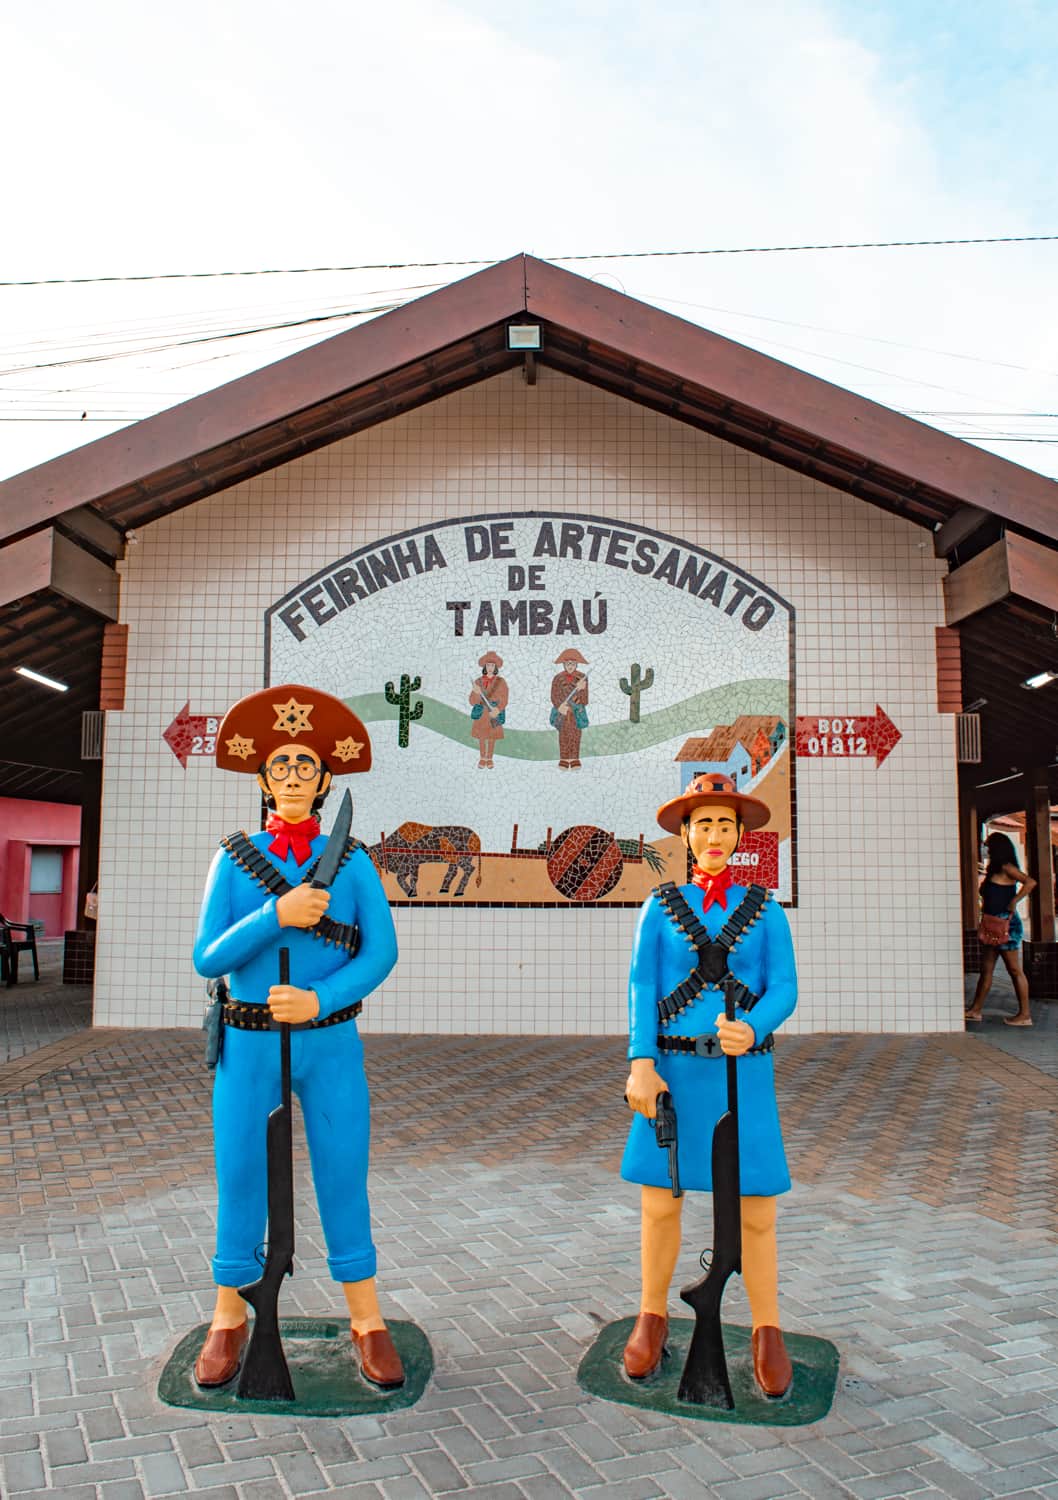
{"points": [[511, 609]]}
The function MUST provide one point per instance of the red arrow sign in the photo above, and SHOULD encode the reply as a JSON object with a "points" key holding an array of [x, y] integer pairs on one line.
{"points": [[192, 734], [849, 738]]}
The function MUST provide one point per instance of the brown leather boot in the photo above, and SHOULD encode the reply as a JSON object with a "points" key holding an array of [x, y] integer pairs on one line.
{"points": [[771, 1363], [379, 1361], [646, 1345], [221, 1355]]}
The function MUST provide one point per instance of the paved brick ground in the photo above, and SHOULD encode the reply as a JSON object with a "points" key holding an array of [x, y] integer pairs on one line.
{"points": [[921, 1236], [33, 1013]]}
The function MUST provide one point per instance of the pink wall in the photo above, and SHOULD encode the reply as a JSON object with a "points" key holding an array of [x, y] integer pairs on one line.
{"points": [[23, 825], [47, 909]]}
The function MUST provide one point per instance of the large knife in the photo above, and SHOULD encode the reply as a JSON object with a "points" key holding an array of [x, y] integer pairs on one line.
{"points": [[334, 849], [265, 1373]]}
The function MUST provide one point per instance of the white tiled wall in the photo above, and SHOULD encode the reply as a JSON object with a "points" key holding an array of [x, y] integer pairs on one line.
{"points": [[877, 925]]}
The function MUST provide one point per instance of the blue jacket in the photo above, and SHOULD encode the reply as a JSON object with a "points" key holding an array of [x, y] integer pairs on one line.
{"points": [[239, 933]]}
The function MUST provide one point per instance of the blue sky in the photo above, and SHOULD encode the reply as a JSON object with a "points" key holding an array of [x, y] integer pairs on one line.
{"points": [[249, 135], [981, 77]]}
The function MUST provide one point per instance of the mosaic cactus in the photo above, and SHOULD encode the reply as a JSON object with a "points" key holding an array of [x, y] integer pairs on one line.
{"points": [[402, 702], [633, 685]]}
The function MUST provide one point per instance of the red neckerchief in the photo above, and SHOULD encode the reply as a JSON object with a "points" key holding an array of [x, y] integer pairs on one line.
{"points": [[715, 887], [292, 837]]}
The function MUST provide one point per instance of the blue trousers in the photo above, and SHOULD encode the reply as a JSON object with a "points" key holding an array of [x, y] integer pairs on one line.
{"points": [[327, 1076]]}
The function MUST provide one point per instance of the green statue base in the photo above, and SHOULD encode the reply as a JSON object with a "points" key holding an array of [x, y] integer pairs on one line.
{"points": [[324, 1370], [815, 1363]]}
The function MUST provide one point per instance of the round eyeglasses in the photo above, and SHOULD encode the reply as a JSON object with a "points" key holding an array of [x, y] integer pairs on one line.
{"points": [[304, 770]]}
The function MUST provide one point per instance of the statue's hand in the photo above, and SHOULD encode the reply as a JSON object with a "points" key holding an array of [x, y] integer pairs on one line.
{"points": [[302, 907], [736, 1037], [644, 1085], [288, 1003]]}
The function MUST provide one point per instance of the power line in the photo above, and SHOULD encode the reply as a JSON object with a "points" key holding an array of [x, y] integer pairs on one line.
{"points": [[842, 333], [270, 305], [213, 338], [433, 265]]}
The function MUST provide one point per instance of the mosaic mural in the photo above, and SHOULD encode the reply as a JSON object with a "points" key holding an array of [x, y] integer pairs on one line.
{"points": [[535, 686]]}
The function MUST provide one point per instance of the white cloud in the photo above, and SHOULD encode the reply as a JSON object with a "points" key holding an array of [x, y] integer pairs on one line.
{"points": [[249, 135]]}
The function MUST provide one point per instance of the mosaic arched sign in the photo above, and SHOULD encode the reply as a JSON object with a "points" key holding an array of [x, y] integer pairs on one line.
{"points": [[627, 661]]}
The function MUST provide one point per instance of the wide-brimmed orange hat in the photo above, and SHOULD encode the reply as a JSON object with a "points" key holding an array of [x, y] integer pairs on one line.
{"points": [[292, 714], [711, 786], [489, 659], [569, 655]]}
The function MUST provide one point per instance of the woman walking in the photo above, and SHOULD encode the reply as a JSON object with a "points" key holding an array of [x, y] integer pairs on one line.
{"points": [[1003, 887]]}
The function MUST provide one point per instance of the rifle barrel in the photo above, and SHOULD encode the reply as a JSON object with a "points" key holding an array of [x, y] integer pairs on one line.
{"points": [[265, 1374], [705, 1379], [284, 1042]]}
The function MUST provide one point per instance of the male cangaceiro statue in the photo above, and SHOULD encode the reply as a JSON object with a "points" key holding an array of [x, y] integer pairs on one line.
{"points": [[341, 946]]}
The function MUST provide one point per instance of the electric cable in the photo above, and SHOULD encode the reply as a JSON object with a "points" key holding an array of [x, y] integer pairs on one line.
{"points": [[89, 359], [432, 265]]}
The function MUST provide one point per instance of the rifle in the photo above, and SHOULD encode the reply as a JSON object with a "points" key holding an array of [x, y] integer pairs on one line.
{"points": [[265, 1374], [485, 699], [664, 1123], [568, 699], [704, 1380]]}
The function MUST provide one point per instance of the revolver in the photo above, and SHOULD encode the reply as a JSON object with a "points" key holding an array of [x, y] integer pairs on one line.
{"points": [[664, 1124]]}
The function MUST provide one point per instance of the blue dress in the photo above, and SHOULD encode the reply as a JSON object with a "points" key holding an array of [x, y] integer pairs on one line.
{"points": [[239, 935], [661, 958]]}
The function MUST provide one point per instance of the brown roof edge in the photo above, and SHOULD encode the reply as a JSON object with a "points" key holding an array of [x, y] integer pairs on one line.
{"points": [[368, 352], [791, 396], [777, 394]]}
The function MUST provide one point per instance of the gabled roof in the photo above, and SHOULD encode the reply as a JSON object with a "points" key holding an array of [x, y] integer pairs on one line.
{"points": [[748, 726], [718, 746], [456, 336], [61, 523]]}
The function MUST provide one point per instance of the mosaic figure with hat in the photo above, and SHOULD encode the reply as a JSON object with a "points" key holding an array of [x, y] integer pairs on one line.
{"points": [[489, 696], [341, 946], [678, 1044], [569, 707]]}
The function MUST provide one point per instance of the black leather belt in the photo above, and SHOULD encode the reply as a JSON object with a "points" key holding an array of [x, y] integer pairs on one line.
{"points": [[259, 1017], [708, 1046]]}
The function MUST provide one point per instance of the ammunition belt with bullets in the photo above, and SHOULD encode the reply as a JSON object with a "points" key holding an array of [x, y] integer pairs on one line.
{"points": [[259, 1017], [711, 971], [709, 1046], [249, 858]]}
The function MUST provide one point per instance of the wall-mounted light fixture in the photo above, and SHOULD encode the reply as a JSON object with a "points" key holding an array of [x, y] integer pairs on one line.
{"points": [[528, 339], [524, 336], [60, 687], [1041, 679]]}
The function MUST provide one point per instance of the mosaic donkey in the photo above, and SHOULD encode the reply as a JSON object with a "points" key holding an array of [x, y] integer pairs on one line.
{"points": [[413, 845]]}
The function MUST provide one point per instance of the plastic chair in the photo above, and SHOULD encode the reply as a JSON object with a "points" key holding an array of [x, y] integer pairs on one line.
{"points": [[11, 945]]}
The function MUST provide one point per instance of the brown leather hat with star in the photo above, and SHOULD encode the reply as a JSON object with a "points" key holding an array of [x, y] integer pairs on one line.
{"points": [[713, 786], [292, 714]]}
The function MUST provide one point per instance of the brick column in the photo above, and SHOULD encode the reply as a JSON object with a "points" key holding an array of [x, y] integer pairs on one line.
{"points": [[969, 861], [1041, 954]]}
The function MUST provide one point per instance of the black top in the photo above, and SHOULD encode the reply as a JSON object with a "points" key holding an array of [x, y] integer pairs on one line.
{"points": [[996, 898]]}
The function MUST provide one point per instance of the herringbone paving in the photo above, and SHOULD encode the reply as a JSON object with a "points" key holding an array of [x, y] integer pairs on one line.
{"points": [[921, 1236]]}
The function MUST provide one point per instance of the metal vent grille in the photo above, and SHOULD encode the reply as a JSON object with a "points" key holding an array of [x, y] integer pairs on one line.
{"points": [[969, 738], [92, 734]]}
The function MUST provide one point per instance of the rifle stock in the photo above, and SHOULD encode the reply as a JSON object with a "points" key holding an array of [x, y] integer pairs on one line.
{"points": [[705, 1380], [265, 1374]]}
